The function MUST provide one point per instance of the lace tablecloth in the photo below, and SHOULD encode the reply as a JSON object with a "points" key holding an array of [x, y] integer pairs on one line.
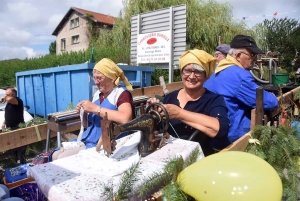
{"points": [[81, 176]]}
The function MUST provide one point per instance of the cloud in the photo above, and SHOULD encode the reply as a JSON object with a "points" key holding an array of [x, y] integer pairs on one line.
{"points": [[13, 37], [53, 21], [16, 52]]}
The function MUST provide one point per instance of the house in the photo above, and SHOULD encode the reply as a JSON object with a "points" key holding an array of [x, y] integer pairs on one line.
{"points": [[72, 33]]}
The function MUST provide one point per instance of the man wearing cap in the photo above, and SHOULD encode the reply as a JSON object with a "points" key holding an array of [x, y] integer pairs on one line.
{"points": [[233, 80], [221, 52]]}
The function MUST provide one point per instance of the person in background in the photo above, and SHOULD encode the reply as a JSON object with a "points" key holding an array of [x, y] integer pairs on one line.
{"points": [[14, 115], [195, 108], [233, 80], [111, 98], [221, 52], [14, 110]]}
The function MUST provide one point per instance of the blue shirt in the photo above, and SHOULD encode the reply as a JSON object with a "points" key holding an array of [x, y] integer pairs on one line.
{"points": [[238, 88]]}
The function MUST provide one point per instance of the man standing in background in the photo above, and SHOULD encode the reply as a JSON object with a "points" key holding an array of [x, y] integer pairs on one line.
{"points": [[14, 115], [14, 110]]}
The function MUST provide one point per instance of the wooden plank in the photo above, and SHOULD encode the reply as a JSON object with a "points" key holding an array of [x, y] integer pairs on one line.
{"points": [[240, 144], [137, 92], [25, 136], [151, 91], [259, 114], [174, 86], [253, 118]]}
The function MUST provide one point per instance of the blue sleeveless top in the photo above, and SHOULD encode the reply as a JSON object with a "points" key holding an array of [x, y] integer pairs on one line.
{"points": [[91, 135]]}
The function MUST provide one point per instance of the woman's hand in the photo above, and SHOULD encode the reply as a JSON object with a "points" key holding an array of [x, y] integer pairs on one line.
{"points": [[173, 111], [87, 106], [152, 100]]}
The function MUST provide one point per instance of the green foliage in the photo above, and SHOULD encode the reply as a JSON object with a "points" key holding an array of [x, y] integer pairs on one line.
{"points": [[52, 48], [205, 20], [10, 68], [126, 185], [70, 106], [167, 178], [35, 121], [280, 148], [164, 72], [279, 35]]}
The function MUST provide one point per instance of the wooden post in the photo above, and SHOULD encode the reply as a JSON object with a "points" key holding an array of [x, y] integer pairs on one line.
{"points": [[259, 115]]}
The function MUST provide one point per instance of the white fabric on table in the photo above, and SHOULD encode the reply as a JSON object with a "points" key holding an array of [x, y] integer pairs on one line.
{"points": [[78, 143], [80, 177]]}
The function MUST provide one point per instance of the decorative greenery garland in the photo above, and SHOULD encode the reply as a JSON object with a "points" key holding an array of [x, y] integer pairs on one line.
{"points": [[280, 147], [165, 180]]}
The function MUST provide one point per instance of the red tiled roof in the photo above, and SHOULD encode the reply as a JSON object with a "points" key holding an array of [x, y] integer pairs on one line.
{"points": [[106, 19], [98, 16]]}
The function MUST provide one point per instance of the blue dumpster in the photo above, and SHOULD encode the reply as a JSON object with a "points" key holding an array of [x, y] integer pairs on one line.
{"points": [[54, 89]]}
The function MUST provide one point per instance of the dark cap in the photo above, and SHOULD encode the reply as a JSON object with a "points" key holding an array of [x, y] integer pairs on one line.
{"points": [[241, 41], [224, 48]]}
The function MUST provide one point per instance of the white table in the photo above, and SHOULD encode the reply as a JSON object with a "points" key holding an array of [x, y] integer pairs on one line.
{"points": [[79, 177]]}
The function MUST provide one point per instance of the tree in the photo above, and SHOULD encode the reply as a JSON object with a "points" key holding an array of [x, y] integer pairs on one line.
{"points": [[205, 20], [280, 35], [52, 47]]}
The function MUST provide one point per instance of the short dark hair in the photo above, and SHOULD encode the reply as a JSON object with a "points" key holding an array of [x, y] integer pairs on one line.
{"points": [[13, 90]]}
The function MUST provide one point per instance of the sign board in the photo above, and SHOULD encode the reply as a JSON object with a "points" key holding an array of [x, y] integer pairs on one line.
{"points": [[154, 47], [171, 20]]}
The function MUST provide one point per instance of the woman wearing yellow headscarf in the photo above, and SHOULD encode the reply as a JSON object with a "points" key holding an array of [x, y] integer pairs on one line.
{"points": [[111, 98], [194, 108]]}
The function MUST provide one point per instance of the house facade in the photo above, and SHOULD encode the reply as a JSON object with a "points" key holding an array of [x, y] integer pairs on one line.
{"points": [[72, 33]]}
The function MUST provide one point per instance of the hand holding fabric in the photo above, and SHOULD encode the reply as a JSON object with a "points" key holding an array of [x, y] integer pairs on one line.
{"points": [[87, 106]]}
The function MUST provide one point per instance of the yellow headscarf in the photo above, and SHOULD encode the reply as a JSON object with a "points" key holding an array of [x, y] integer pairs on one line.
{"points": [[200, 57], [108, 68]]}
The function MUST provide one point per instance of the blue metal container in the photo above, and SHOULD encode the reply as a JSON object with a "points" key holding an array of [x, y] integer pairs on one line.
{"points": [[53, 89]]}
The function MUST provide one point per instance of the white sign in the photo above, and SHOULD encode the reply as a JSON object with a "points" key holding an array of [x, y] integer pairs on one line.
{"points": [[154, 47]]}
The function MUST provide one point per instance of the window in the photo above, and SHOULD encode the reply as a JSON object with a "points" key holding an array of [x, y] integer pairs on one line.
{"points": [[75, 39], [74, 23], [63, 44]]}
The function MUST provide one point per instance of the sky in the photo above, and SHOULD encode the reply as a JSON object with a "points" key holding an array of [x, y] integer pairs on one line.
{"points": [[27, 25]]}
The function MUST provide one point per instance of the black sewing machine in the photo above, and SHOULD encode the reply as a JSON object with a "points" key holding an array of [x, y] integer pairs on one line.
{"points": [[151, 124]]}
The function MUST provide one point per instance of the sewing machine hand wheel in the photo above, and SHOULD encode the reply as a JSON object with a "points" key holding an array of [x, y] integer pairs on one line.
{"points": [[158, 110]]}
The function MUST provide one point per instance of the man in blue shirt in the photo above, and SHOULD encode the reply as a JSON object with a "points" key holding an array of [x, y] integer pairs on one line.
{"points": [[233, 80]]}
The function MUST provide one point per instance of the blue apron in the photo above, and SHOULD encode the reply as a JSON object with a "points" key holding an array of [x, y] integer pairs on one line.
{"points": [[92, 134]]}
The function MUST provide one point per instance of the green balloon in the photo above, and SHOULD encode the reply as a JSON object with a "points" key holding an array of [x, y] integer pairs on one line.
{"points": [[231, 176]]}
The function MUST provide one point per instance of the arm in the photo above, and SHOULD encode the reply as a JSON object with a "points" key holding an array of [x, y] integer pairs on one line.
{"points": [[3, 125], [247, 94], [207, 124], [121, 116], [9, 99]]}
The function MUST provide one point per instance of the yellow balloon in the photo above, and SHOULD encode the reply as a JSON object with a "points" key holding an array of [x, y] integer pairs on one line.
{"points": [[231, 176]]}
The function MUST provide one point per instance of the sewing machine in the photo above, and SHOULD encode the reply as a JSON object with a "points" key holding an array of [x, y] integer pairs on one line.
{"points": [[154, 122]]}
